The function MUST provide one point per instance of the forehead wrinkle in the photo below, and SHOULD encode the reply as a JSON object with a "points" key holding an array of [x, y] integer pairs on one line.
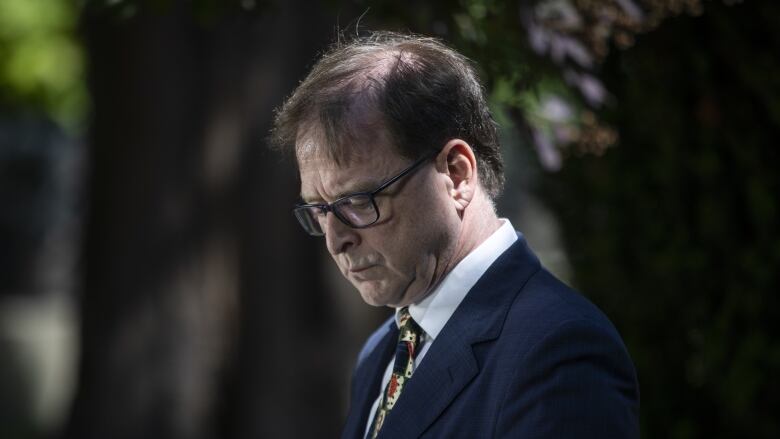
{"points": [[332, 181]]}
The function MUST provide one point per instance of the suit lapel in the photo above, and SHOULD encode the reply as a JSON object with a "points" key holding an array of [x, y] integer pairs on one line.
{"points": [[450, 363], [433, 386], [368, 378]]}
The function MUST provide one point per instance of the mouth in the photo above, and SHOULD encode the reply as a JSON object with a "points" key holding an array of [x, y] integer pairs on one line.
{"points": [[360, 269]]}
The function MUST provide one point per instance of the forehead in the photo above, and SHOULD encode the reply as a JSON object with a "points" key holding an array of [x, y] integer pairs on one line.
{"points": [[326, 179], [343, 132]]}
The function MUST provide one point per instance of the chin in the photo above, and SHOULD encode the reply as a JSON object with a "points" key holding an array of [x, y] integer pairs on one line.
{"points": [[375, 295], [372, 299]]}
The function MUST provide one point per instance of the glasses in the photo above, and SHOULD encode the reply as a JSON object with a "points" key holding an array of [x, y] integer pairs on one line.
{"points": [[357, 210]]}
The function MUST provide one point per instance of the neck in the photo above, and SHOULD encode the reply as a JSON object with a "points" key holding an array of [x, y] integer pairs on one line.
{"points": [[478, 222]]}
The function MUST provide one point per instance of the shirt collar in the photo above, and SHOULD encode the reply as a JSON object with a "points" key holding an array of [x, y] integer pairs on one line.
{"points": [[433, 312]]}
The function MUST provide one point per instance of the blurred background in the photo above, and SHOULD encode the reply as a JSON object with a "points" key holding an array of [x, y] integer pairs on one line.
{"points": [[154, 284]]}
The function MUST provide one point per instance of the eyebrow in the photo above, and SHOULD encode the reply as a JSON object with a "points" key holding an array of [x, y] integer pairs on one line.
{"points": [[367, 186], [361, 188]]}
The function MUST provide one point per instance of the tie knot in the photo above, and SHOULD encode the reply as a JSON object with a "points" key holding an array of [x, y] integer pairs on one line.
{"points": [[410, 331]]}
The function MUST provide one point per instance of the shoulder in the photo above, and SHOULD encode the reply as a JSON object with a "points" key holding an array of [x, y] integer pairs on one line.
{"points": [[545, 305], [568, 364]]}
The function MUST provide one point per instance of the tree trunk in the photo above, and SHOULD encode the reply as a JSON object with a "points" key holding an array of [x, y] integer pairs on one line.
{"points": [[203, 310]]}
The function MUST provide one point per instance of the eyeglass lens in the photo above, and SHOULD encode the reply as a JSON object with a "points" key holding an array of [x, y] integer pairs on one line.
{"points": [[356, 211]]}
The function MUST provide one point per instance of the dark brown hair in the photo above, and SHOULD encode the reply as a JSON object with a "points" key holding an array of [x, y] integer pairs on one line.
{"points": [[423, 92]]}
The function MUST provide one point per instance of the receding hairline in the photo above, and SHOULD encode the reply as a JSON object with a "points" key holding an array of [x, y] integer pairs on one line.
{"points": [[364, 129], [412, 76], [362, 112]]}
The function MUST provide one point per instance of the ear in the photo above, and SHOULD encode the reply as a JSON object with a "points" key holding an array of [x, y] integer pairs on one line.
{"points": [[457, 161]]}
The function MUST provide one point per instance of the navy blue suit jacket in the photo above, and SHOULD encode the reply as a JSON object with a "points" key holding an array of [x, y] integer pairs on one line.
{"points": [[523, 356]]}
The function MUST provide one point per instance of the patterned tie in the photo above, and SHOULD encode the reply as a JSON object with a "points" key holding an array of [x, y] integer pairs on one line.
{"points": [[410, 340]]}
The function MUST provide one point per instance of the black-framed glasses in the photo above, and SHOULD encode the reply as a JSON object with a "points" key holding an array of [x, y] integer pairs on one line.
{"points": [[357, 210]]}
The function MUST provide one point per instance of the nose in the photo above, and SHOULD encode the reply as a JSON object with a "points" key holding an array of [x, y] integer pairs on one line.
{"points": [[339, 237]]}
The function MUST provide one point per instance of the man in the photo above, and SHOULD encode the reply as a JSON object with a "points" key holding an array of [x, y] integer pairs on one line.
{"points": [[399, 164]]}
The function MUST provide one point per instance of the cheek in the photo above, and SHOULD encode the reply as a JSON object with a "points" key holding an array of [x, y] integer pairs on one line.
{"points": [[341, 262], [405, 248], [414, 233]]}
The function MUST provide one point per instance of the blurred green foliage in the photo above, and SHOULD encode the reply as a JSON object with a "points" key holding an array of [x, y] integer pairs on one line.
{"points": [[41, 60]]}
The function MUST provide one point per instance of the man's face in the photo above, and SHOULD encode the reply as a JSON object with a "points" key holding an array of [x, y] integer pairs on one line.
{"points": [[397, 260]]}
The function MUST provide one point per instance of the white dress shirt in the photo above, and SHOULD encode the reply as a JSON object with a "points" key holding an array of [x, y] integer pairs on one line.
{"points": [[433, 312]]}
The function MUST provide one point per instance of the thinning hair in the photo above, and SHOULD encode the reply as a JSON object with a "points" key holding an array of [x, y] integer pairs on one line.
{"points": [[417, 88]]}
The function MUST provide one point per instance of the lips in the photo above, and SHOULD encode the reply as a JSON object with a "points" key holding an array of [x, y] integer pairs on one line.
{"points": [[360, 268]]}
